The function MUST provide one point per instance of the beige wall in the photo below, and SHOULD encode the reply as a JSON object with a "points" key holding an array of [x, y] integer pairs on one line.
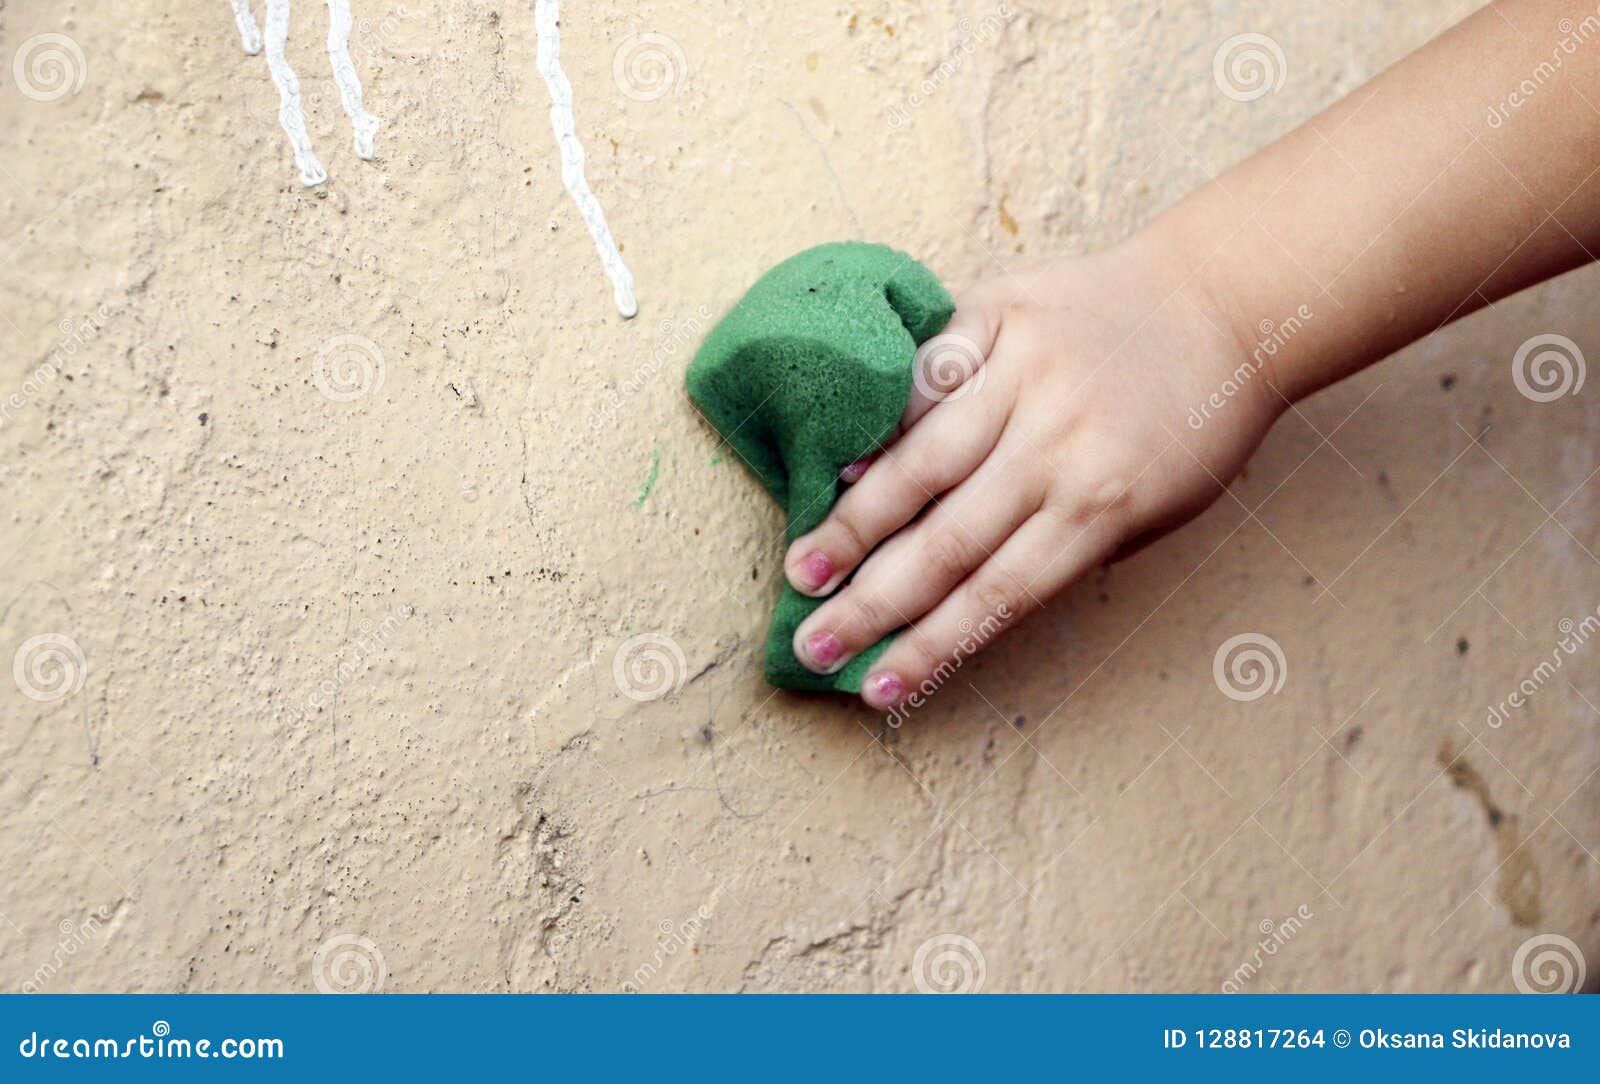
{"points": [[349, 666]]}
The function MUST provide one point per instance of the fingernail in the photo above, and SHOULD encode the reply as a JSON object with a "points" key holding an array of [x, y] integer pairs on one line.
{"points": [[824, 648], [854, 471], [883, 689], [814, 570]]}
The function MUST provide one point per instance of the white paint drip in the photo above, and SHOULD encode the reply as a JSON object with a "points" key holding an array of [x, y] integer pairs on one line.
{"points": [[290, 114], [547, 14], [249, 32], [344, 74]]}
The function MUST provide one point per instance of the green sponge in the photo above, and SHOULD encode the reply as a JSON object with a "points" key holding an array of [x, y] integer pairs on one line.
{"points": [[809, 372]]}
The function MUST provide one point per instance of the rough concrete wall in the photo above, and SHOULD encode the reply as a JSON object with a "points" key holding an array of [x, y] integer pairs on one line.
{"points": [[349, 689]]}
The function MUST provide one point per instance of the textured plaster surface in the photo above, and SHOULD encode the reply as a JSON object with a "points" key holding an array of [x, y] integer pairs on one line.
{"points": [[350, 663]]}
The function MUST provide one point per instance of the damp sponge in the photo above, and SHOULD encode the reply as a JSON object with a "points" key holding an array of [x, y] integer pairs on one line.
{"points": [[809, 372]]}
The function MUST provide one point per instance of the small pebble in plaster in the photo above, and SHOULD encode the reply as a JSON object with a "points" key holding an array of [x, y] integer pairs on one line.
{"points": [[546, 17]]}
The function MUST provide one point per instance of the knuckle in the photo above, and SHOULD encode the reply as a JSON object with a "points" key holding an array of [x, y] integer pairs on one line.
{"points": [[850, 534], [924, 658], [925, 472], [1104, 487], [947, 556], [867, 618], [996, 597]]}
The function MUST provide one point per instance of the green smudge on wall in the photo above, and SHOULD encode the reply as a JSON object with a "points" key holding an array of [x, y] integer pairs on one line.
{"points": [[650, 480]]}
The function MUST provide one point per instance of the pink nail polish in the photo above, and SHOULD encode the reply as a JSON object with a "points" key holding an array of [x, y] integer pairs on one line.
{"points": [[824, 648], [815, 570], [854, 471], [884, 689]]}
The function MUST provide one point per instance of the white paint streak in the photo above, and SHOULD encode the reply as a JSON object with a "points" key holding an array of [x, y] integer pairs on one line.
{"points": [[249, 32], [291, 114], [344, 74], [289, 111], [547, 14]]}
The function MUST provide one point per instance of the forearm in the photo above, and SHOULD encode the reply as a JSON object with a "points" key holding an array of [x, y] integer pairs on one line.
{"points": [[1467, 172]]}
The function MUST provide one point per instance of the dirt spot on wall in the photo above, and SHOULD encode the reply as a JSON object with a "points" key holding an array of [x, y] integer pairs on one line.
{"points": [[1517, 885]]}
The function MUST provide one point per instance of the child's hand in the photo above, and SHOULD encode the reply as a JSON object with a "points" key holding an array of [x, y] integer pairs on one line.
{"points": [[1050, 427]]}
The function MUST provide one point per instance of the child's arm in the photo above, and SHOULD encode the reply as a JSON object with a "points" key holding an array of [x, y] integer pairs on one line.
{"points": [[1090, 420]]}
